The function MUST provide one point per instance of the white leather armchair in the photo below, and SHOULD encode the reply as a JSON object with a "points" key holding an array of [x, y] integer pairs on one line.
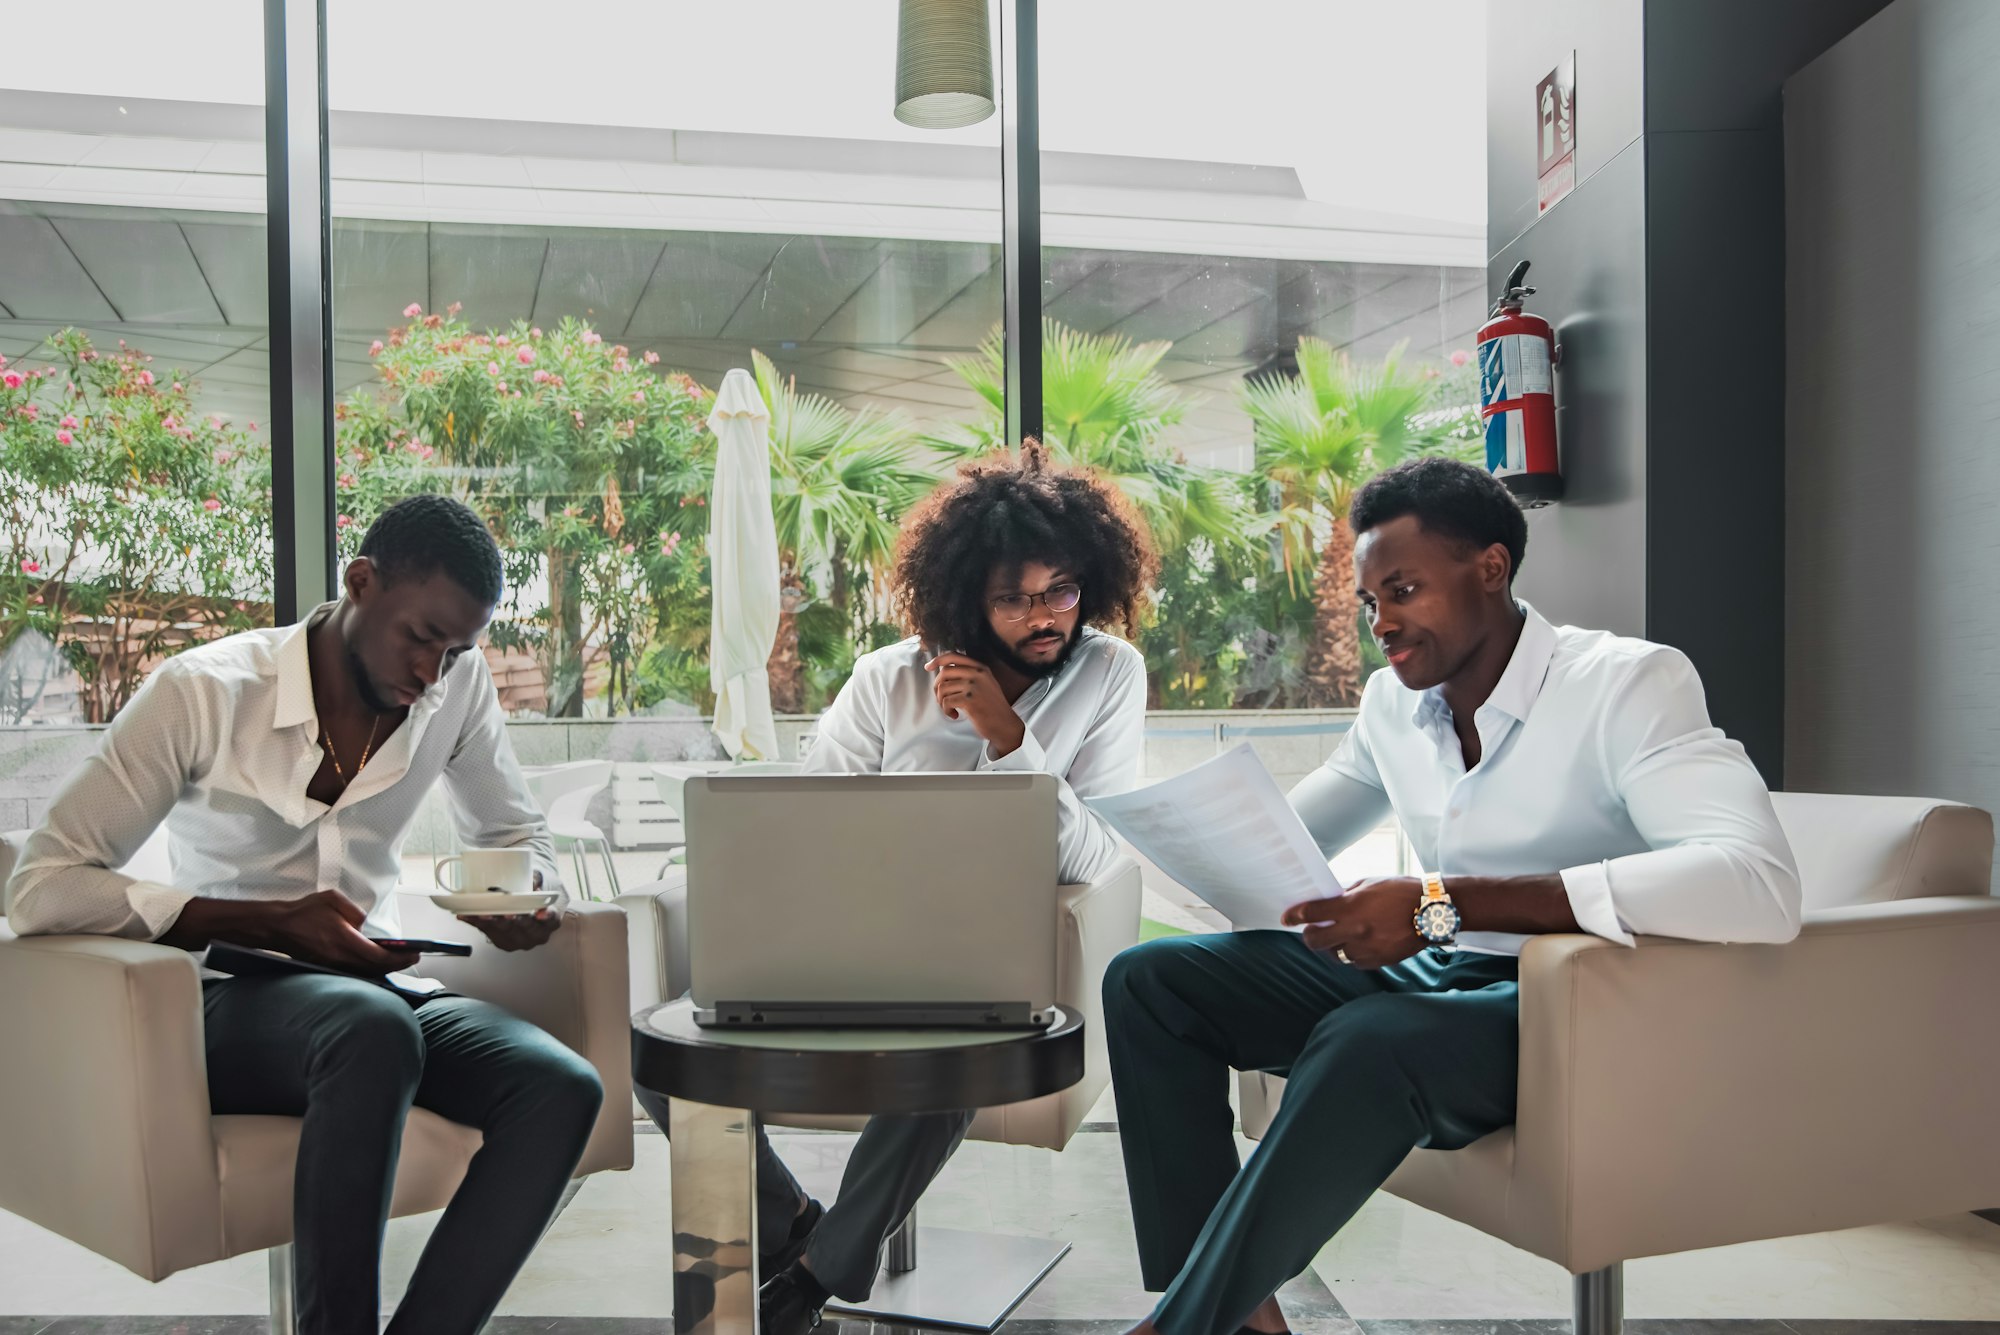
{"points": [[1094, 923], [108, 1136], [1685, 1095]]}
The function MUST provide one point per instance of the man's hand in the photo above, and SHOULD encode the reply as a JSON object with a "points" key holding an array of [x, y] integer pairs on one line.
{"points": [[965, 688], [1374, 922], [325, 928], [518, 931]]}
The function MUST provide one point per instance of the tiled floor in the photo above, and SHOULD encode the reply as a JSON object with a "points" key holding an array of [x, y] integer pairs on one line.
{"points": [[1396, 1270]]}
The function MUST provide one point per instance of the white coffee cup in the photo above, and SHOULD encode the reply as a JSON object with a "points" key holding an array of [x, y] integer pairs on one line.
{"points": [[506, 870]]}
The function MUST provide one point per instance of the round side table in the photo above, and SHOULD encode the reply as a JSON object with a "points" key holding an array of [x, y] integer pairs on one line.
{"points": [[718, 1081]]}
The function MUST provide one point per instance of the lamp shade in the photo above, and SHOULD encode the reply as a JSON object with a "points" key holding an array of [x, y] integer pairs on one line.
{"points": [[944, 64]]}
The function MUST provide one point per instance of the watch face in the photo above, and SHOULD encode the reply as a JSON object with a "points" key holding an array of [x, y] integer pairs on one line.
{"points": [[1437, 922]]}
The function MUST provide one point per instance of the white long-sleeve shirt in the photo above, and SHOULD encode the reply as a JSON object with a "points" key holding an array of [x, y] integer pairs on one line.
{"points": [[1598, 761], [1086, 725], [220, 744]]}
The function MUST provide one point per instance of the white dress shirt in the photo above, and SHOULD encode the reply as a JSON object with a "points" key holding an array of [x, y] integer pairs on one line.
{"points": [[220, 744], [1597, 761], [1086, 725]]}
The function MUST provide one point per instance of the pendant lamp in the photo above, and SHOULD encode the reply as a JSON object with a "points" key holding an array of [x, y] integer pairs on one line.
{"points": [[944, 64]]}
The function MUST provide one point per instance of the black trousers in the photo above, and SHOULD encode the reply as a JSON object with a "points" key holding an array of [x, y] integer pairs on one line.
{"points": [[352, 1059]]}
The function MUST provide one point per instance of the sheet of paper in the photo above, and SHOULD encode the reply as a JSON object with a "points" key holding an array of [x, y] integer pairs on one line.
{"points": [[1224, 831]]}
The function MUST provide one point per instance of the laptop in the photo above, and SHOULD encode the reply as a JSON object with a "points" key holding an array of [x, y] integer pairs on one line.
{"points": [[896, 900]]}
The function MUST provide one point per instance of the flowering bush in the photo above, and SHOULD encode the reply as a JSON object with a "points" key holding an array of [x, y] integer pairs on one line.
{"points": [[131, 526], [592, 469]]}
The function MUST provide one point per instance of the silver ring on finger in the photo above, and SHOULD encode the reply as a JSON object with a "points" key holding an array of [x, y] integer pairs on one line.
{"points": [[1340, 953]]}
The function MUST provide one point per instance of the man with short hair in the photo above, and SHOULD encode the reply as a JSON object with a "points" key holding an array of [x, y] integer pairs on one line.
{"points": [[1550, 779], [287, 765], [1009, 576]]}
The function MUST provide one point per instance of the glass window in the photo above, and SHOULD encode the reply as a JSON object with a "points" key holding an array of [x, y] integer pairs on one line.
{"points": [[542, 276], [134, 455], [1278, 279]]}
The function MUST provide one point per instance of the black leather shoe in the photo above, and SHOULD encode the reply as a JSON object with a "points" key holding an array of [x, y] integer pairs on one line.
{"points": [[770, 1263], [789, 1304]]}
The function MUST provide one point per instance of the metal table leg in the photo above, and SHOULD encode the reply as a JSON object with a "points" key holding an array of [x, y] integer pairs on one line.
{"points": [[715, 1218]]}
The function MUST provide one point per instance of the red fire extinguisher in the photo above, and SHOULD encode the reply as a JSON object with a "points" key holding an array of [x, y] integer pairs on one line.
{"points": [[1517, 400]]}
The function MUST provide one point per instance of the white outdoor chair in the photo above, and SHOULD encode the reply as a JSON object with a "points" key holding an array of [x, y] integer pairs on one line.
{"points": [[564, 793]]}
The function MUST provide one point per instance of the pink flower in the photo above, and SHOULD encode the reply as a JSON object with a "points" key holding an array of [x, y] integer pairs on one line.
{"points": [[628, 549], [1460, 357], [503, 387], [177, 387], [621, 365], [413, 310], [64, 438], [670, 544], [211, 505], [30, 411], [493, 368], [525, 356], [3, 360], [577, 413], [541, 377], [217, 421], [70, 422], [343, 521], [591, 336], [414, 445], [535, 333], [571, 512], [145, 377], [426, 452], [345, 481], [502, 341], [652, 358], [170, 424], [225, 456], [375, 348], [31, 567], [253, 426], [638, 396], [12, 380]]}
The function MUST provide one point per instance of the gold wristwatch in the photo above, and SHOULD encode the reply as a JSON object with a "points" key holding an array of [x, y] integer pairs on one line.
{"points": [[1437, 916]]}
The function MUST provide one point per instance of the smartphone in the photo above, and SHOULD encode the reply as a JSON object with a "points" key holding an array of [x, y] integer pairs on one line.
{"points": [[422, 947]]}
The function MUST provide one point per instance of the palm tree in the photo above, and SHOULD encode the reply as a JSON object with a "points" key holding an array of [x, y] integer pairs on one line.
{"points": [[1105, 407], [1319, 436], [841, 480]]}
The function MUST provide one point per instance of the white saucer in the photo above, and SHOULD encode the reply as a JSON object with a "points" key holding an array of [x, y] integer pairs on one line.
{"points": [[490, 903]]}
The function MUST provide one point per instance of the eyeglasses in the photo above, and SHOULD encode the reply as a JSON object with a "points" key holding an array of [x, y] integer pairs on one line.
{"points": [[1057, 598]]}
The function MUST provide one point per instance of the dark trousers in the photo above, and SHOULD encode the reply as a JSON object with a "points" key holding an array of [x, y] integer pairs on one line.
{"points": [[351, 1059], [895, 1159], [1377, 1064]]}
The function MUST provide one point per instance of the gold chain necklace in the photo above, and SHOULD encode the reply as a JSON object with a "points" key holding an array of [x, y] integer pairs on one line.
{"points": [[326, 740]]}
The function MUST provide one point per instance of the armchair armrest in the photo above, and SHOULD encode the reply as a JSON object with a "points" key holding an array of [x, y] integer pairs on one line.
{"points": [[104, 1099], [1094, 922], [1684, 1094], [575, 988]]}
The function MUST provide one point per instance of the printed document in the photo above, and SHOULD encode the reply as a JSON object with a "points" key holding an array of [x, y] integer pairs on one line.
{"points": [[1224, 831]]}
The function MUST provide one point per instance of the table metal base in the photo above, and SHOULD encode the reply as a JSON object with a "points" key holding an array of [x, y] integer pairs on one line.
{"points": [[714, 1154], [968, 1280]]}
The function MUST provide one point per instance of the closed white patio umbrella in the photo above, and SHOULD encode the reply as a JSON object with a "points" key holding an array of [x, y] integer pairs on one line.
{"points": [[743, 561]]}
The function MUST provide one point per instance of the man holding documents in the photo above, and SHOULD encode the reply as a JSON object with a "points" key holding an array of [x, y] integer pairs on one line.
{"points": [[1006, 576], [1550, 779]]}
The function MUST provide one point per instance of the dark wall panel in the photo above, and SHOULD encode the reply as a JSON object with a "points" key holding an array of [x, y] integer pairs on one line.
{"points": [[1586, 561]]}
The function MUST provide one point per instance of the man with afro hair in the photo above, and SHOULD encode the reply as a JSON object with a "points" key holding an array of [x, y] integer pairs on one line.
{"points": [[1010, 578]]}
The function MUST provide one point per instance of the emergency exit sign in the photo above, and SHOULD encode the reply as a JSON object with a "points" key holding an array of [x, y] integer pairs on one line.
{"points": [[1555, 135]]}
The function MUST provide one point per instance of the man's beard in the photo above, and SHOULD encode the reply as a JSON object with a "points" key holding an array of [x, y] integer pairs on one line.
{"points": [[1004, 652], [364, 686]]}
